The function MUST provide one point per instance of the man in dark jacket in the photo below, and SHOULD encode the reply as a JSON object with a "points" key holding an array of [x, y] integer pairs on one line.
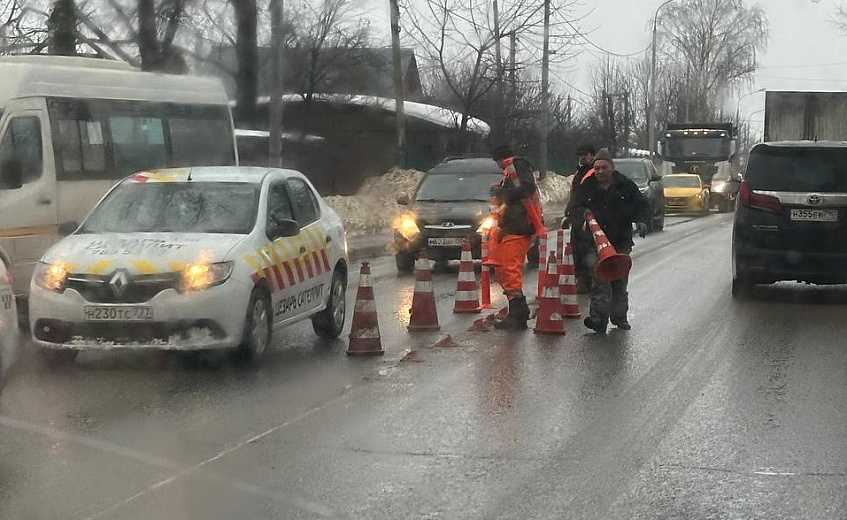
{"points": [[581, 241], [516, 227], [616, 203]]}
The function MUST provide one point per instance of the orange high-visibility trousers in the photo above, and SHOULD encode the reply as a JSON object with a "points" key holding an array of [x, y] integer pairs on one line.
{"points": [[511, 253]]}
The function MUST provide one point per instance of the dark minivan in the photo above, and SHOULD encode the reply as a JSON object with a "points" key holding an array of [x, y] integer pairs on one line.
{"points": [[791, 220]]}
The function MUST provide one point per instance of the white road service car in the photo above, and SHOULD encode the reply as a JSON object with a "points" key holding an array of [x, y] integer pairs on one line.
{"points": [[192, 259]]}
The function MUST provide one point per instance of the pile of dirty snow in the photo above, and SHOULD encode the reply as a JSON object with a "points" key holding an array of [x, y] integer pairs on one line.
{"points": [[374, 208]]}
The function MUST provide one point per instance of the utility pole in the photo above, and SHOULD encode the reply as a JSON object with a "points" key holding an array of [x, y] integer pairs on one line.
{"points": [[398, 84], [610, 111], [501, 104], [276, 90], [626, 123], [569, 112], [513, 84], [545, 96]]}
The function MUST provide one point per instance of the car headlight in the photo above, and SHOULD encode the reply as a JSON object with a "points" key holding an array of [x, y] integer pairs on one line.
{"points": [[52, 277], [406, 226], [486, 225], [202, 275]]}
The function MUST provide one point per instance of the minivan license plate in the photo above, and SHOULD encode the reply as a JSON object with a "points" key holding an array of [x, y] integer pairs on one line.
{"points": [[814, 215], [134, 313], [445, 242]]}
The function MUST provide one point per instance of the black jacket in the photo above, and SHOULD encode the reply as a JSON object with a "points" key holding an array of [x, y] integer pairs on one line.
{"points": [[615, 208], [576, 185], [514, 219]]}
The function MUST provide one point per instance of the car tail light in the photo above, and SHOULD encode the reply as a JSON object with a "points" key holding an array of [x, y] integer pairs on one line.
{"points": [[755, 200]]}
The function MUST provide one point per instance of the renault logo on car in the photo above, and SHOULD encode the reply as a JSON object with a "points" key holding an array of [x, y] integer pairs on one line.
{"points": [[447, 224], [814, 200], [119, 282]]}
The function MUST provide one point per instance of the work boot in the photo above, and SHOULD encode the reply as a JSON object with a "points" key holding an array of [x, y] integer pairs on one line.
{"points": [[595, 325], [621, 323], [517, 317]]}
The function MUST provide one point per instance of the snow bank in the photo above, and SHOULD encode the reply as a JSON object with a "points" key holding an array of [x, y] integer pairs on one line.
{"points": [[374, 207]]}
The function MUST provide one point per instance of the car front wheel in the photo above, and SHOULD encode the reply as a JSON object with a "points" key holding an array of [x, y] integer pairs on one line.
{"points": [[742, 287], [329, 322], [659, 222], [257, 326]]}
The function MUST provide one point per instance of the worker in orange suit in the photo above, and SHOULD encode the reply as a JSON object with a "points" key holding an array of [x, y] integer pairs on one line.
{"points": [[518, 220]]}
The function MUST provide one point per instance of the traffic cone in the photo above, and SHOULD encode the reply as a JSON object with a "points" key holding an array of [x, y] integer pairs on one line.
{"points": [[424, 313], [364, 332], [485, 276], [467, 291], [567, 285], [611, 265], [542, 265], [549, 319]]}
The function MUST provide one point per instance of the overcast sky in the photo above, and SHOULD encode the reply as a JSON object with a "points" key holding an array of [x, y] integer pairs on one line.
{"points": [[805, 51]]}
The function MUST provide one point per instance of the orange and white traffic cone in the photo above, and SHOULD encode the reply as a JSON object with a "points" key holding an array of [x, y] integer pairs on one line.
{"points": [[364, 332], [424, 312], [485, 275], [542, 265], [549, 320], [467, 291], [567, 285]]}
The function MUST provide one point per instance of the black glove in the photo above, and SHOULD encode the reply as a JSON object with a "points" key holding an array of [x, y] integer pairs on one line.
{"points": [[641, 227]]}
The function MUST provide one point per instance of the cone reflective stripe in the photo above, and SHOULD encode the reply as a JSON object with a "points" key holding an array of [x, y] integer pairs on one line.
{"points": [[364, 331], [560, 245], [549, 320], [424, 313], [570, 303], [611, 265], [467, 291]]}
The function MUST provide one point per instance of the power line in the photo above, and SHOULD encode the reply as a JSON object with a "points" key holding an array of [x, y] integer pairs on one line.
{"points": [[601, 49]]}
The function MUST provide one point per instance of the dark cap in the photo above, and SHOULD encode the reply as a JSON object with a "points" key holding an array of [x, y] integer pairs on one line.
{"points": [[585, 148], [604, 155], [502, 152]]}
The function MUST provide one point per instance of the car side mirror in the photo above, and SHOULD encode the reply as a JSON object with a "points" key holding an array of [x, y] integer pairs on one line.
{"points": [[67, 228], [11, 174], [283, 228], [655, 177], [403, 200]]}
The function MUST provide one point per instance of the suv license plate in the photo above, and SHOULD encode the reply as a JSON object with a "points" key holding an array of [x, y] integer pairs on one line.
{"points": [[815, 215], [135, 313], [445, 242]]}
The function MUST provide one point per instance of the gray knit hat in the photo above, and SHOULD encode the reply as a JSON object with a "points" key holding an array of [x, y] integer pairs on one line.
{"points": [[604, 155]]}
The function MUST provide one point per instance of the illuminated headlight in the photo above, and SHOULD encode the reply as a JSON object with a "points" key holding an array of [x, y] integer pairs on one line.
{"points": [[201, 275], [486, 225], [407, 227], [719, 186], [53, 277]]}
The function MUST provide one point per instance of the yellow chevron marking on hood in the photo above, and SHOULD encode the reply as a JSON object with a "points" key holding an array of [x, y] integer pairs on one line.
{"points": [[144, 266]]}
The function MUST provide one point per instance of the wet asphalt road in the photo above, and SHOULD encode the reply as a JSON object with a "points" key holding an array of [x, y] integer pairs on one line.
{"points": [[708, 408]]}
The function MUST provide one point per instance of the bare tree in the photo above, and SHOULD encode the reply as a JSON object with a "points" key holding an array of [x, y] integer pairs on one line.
{"points": [[23, 26], [62, 28], [714, 45]]}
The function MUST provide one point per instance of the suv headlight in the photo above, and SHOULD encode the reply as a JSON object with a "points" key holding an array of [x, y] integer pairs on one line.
{"points": [[407, 226], [52, 277], [202, 275]]}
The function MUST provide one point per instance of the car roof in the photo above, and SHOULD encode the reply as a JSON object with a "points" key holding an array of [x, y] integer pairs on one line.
{"points": [[682, 175], [631, 159], [248, 174], [468, 165], [803, 144]]}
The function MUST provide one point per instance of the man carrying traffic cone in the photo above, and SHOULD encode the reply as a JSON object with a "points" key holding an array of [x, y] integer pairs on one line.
{"points": [[615, 203], [519, 219]]}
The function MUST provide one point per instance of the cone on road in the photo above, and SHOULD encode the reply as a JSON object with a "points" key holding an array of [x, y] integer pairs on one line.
{"points": [[542, 265], [467, 290], [549, 320], [364, 331], [567, 285], [424, 312]]}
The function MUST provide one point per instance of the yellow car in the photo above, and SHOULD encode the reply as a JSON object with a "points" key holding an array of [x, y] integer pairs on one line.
{"points": [[684, 193]]}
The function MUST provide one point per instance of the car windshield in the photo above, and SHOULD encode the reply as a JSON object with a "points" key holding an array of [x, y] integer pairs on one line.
{"points": [[674, 181], [447, 187], [797, 169], [190, 207], [634, 170]]}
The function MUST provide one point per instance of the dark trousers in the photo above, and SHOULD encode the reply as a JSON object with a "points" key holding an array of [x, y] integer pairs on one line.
{"points": [[609, 300]]}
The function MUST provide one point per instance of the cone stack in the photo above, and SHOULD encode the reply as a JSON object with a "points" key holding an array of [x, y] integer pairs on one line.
{"points": [[467, 291], [424, 312], [570, 304], [549, 320]]}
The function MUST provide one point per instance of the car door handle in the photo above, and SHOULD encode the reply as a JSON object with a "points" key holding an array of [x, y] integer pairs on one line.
{"points": [[44, 201], [302, 250]]}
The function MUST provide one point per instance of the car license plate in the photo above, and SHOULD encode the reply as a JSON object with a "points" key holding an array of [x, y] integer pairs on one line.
{"points": [[815, 215], [445, 242], [134, 313]]}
